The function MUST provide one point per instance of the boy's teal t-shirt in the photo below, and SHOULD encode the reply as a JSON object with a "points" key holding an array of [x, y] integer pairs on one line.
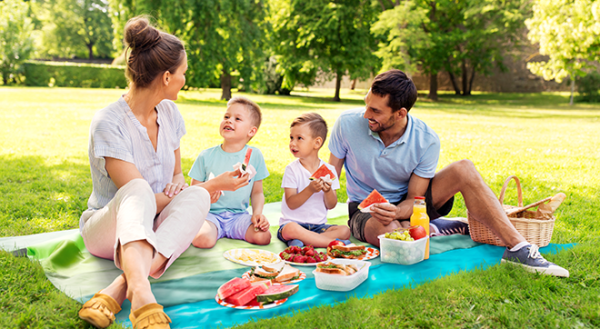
{"points": [[217, 161]]}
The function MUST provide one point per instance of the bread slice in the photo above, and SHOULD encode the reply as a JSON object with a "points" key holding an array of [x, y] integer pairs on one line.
{"points": [[261, 273], [287, 273], [275, 267], [350, 251], [336, 271]]}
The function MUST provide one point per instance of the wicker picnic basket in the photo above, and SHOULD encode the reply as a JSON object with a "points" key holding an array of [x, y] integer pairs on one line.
{"points": [[535, 230]]}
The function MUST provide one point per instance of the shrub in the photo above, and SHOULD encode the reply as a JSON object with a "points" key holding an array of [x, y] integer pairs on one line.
{"points": [[588, 87], [74, 75]]}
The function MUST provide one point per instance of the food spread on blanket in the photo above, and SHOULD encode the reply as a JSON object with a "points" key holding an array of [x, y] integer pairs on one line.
{"points": [[277, 274], [307, 255], [251, 257], [242, 293]]}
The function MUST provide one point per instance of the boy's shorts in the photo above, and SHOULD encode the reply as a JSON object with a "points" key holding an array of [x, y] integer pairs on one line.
{"points": [[231, 225], [317, 228]]}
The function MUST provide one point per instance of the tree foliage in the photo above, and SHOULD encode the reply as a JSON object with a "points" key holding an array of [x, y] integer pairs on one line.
{"points": [[79, 28], [222, 37], [568, 33], [16, 43], [331, 36], [461, 38]]}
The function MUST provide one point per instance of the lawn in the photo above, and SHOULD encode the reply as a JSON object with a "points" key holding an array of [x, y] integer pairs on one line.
{"points": [[45, 183]]}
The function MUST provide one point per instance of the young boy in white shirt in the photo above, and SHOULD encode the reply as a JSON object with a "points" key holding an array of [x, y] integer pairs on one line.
{"points": [[305, 202], [228, 217]]}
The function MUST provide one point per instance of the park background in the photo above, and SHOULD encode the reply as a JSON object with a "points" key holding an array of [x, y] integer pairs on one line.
{"points": [[496, 81]]}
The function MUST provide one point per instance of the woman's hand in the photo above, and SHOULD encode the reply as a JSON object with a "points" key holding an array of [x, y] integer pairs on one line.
{"points": [[214, 196], [174, 188]]}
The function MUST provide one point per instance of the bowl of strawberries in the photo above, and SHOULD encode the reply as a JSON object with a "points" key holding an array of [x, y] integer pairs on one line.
{"points": [[303, 256]]}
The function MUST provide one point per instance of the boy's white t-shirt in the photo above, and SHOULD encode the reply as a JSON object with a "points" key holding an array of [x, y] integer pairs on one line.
{"points": [[313, 211]]}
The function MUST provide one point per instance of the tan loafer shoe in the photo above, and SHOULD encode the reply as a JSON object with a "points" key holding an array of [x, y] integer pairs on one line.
{"points": [[100, 310]]}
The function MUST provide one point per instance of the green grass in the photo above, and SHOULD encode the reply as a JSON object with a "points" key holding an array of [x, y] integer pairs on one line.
{"points": [[551, 147]]}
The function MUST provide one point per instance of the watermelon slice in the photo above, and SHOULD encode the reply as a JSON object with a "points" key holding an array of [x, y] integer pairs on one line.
{"points": [[374, 197], [247, 159], [245, 296], [276, 293], [232, 286], [322, 172]]}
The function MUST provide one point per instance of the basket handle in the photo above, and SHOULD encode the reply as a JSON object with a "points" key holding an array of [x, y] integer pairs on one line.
{"points": [[519, 191]]}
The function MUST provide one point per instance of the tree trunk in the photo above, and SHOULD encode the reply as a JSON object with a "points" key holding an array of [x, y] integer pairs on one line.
{"points": [[454, 84], [471, 80], [338, 85], [463, 67], [572, 90], [433, 87], [5, 78], [353, 85], [225, 85], [90, 47]]}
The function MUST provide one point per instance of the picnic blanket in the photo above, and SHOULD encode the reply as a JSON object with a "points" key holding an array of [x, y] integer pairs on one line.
{"points": [[188, 288]]}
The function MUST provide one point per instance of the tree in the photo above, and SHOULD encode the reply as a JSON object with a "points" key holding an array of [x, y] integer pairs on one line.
{"points": [[222, 37], [16, 43], [458, 37], [568, 32], [75, 28], [331, 36]]}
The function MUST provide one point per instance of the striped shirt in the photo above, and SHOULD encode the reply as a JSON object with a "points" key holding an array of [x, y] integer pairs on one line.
{"points": [[115, 132]]}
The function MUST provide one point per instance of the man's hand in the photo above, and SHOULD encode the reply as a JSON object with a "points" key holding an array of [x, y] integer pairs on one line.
{"points": [[260, 222], [385, 213]]}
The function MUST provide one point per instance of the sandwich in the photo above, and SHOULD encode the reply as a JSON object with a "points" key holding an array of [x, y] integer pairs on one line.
{"points": [[278, 272], [337, 269], [348, 251]]}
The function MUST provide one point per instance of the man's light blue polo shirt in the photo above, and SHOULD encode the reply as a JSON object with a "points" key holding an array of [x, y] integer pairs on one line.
{"points": [[370, 165]]}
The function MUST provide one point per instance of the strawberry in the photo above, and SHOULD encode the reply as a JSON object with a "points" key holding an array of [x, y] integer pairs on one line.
{"points": [[311, 260], [299, 259], [309, 253]]}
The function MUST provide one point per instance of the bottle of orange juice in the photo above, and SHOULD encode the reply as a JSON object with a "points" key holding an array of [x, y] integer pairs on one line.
{"points": [[419, 217]]}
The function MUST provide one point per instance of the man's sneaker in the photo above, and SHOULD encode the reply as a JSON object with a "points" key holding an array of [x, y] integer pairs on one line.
{"points": [[530, 258], [449, 227]]}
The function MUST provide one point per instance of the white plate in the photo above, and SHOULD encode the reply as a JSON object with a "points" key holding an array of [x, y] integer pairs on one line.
{"points": [[250, 307], [256, 257], [302, 277]]}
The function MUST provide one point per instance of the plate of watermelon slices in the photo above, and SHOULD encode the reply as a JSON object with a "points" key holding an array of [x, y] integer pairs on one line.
{"points": [[245, 295]]}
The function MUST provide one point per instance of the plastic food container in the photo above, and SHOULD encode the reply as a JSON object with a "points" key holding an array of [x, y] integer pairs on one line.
{"points": [[335, 282], [402, 252]]}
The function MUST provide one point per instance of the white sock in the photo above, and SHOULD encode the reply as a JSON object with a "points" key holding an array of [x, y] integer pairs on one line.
{"points": [[433, 229], [519, 246]]}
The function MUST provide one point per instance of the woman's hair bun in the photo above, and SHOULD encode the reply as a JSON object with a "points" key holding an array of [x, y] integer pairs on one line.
{"points": [[140, 35], [152, 52]]}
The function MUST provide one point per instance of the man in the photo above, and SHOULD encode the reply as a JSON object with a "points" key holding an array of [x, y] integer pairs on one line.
{"points": [[385, 148]]}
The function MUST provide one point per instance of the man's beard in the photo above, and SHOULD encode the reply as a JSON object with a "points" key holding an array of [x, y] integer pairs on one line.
{"points": [[383, 127]]}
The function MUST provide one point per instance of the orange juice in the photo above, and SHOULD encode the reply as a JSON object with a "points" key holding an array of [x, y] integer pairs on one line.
{"points": [[419, 217]]}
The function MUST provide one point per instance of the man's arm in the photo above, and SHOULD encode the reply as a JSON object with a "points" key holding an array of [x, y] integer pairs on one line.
{"points": [[386, 213], [337, 163]]}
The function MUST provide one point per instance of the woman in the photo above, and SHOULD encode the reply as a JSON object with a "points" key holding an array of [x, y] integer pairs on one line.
{"points": [[141, 213]]}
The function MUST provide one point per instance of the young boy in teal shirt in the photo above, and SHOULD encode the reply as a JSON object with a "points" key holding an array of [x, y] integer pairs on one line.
{"points": [[228, 217]]}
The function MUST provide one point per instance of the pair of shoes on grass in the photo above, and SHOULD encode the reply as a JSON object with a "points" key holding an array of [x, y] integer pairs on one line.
{"points": [[100, 311], [527, 256]]}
